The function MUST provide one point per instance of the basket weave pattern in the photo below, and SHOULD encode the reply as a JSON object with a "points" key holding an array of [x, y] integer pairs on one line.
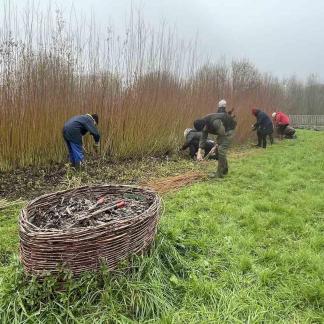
{"points": [[83, 249]]}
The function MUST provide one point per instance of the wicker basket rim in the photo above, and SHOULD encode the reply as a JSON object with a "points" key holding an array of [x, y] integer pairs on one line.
{"points": [[79, 230]]}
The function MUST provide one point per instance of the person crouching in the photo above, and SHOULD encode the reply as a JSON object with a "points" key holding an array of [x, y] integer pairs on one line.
{"points": [[192, 138], [281, 121]]}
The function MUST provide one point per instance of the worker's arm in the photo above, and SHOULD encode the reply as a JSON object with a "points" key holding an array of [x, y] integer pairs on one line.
{"points": [[93, 130], [202, 144], [257, 124], [203, 138]]}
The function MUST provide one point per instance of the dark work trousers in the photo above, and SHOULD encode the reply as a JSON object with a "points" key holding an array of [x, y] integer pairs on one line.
{"points": [[262, 137], [281, 129], [271, 138]]}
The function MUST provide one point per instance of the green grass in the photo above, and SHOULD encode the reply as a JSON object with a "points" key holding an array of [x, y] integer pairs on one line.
{"points": [[249, 248]]}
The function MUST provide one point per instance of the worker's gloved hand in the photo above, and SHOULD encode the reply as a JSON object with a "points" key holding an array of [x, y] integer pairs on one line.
{"points": [[200, 155]]}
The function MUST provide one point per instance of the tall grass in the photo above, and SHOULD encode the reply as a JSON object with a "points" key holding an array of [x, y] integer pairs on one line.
{"points": [[146, 85]]}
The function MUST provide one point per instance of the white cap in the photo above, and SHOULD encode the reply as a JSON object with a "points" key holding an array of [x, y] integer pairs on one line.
{"points": [[274, 115], [222, 104], [187, 131]]}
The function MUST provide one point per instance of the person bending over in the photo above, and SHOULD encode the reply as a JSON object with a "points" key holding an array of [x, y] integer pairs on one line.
{"points": [[73, 131], [192, 138], [281, 121], [222, 125], [263, 126]]}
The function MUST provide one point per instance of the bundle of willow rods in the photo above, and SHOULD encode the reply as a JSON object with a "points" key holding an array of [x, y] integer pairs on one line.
{"points": [[81, 249], [174, 182]]}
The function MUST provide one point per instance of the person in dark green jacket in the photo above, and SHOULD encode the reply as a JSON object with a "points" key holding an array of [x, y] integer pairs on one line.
{"points": [[223, 125]]}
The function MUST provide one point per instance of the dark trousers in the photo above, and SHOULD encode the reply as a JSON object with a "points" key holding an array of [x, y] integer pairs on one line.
{"points": [[262, 138], [281, 129], [289, 132], [271, 138]]}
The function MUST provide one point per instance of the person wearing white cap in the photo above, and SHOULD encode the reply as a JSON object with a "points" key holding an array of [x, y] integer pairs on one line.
{"points": [[281, 122], [222, 106]]}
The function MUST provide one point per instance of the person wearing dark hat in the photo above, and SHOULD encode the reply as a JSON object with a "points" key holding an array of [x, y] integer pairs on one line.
{"points": [[73, 131], [192, 138], [263, 126], [222, 125]]}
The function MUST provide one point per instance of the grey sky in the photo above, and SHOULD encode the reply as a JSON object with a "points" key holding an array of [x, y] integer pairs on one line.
{"points": [[284, 37]]}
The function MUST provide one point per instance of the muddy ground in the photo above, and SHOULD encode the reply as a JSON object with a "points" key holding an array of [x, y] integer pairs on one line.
{"points": [[28, 183]]}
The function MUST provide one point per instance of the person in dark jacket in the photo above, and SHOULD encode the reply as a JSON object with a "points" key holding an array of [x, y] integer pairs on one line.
{"points": [[263, 126], [222, 125], [192, 138], [73, 131]]}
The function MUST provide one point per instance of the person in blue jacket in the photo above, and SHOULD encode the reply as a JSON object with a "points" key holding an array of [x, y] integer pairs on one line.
{"points": [[263, 126], [73, 131]]}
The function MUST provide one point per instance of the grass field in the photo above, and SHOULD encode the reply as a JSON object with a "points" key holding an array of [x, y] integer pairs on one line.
{"points": [[249, 248]]}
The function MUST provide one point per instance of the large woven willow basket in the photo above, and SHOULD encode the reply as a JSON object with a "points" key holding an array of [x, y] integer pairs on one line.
{"points": [[84, 249]]}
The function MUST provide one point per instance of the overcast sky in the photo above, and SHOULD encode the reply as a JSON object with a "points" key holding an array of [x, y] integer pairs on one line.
{"points": [[284, 37]]}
